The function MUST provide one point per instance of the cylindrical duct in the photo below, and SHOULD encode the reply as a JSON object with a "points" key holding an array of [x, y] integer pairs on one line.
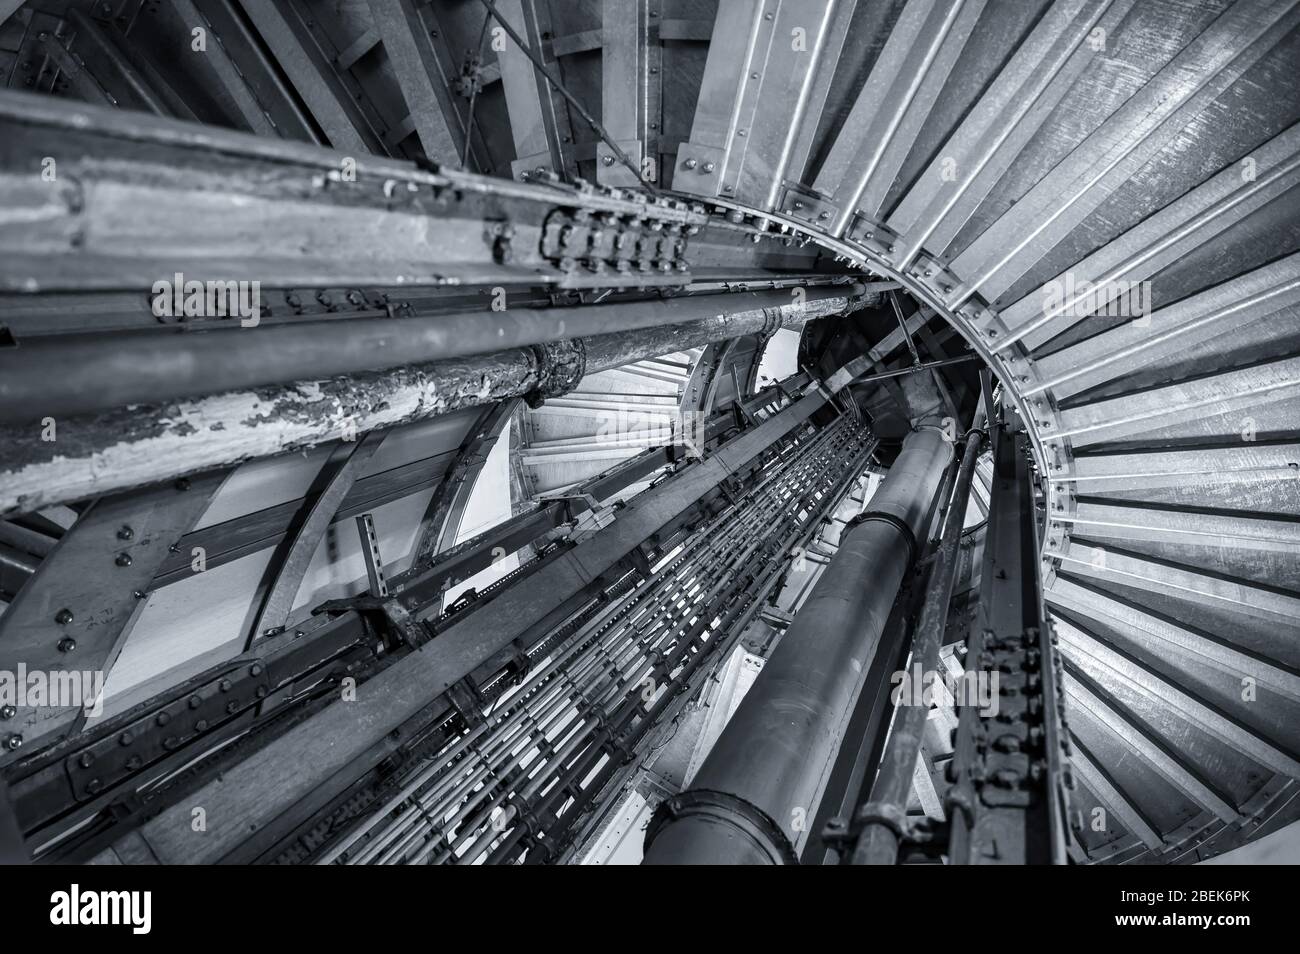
{"points": [[761, 783], [132, 446], [67, 375], [878, 843]]}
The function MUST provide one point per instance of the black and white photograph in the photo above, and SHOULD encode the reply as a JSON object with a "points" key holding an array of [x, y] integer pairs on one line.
{"points": [[650, 432]]}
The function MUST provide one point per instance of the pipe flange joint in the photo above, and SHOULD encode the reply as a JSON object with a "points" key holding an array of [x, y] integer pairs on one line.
{"points": [[731, 811], [560, 366], [868, 516], [771, 322]]}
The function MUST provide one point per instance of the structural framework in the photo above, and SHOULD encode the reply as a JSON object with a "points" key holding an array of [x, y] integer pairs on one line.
{"points": [[678, 431]]}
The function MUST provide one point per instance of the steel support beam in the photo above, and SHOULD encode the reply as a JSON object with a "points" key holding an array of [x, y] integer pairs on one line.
{"points": [[75, 612], [1117, 149], [412, 54], [631, 90], [763, 780], [290, 563], [442, 516], [538, 124], [742, 35], [137, 198], [891, 108], [1004, 120], [312, 76], [1007, 797], [338, 738]]}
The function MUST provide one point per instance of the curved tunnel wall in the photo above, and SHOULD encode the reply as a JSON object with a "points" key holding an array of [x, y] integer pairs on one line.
{"points": [[995, 158]]}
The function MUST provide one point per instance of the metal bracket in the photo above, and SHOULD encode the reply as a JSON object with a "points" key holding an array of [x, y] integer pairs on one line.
{"points": [[467, 700], [370, 552], [389, 615], [591, 522], [907, 829], [605, 248], [800, 202]]}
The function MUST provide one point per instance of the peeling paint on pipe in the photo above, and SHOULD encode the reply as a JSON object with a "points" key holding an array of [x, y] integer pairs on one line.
{"points": [[68, 375], [136, 446]]}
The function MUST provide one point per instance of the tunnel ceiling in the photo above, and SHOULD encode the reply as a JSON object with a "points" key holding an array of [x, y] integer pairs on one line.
{"points": [[990, 162]]}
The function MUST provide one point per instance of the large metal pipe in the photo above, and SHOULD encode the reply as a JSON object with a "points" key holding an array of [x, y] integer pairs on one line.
{"points": [[67, 375], [879, 839], [759, 787], [130, 447]]}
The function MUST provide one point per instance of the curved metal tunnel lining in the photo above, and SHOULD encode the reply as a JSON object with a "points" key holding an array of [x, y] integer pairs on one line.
{"points": [[1168, 447]]}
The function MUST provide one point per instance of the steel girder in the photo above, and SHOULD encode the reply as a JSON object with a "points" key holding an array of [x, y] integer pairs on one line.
{"points": [[481, 644]]}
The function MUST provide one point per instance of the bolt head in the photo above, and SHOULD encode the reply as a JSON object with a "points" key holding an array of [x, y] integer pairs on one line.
{"points": [[125, 533], [67, 644], [63, 617], [123, 559]]}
